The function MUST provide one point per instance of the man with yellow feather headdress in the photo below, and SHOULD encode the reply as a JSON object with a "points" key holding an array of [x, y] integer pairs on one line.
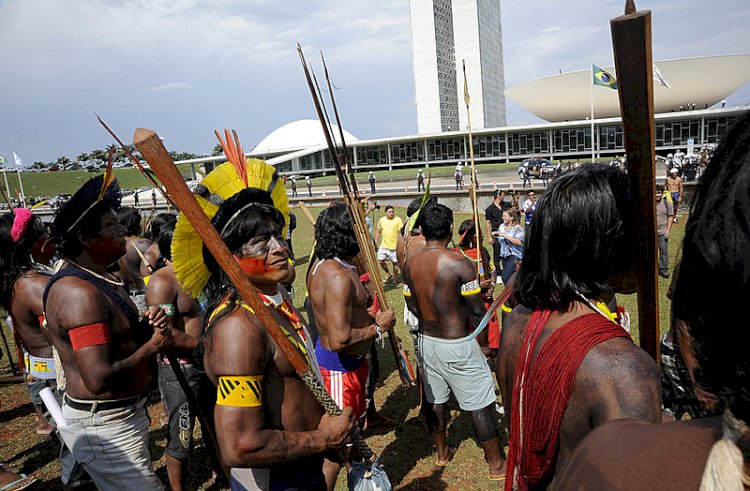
{"points": [[270, 428]]}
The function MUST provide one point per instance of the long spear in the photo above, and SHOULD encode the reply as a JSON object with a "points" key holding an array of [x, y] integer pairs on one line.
{"points": [[473, 192], [406, 372], [631, 40], [152, 149]]}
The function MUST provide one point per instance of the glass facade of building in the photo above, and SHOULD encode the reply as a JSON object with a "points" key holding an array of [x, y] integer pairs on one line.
{"points": [[556, 141]]}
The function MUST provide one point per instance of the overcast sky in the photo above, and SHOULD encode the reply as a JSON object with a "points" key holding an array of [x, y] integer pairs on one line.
{"points": [[185, 67]]}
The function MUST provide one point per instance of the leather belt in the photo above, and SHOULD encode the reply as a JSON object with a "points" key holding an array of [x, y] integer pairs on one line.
{"points": [[96, 406]]}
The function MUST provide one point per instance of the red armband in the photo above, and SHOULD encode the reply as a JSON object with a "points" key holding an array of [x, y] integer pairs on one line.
{"points": [[90, 335]]}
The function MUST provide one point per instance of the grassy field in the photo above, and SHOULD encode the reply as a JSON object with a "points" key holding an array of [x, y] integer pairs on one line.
{"points": [[406, 451]]}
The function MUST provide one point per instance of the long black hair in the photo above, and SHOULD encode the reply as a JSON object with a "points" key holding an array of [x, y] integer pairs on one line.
{"points": [[582, 239], [249, 213], [15, 257], [713, 279], [334, 234]]}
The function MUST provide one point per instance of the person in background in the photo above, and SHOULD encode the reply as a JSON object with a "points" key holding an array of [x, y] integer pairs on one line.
{"points": [[371, 179], [389, 228], [529, 207], [664, 215], [509, 236]]}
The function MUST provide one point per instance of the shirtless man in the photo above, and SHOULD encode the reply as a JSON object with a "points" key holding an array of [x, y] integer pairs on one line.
{"points": [[130, 262], [703, 452], [410, 244], [339, 304], [270, 428], [104, 346], [23, 275], [674, 186], [184, 314], [154, 258], [577, 366], [24, 272], [449, 303]]}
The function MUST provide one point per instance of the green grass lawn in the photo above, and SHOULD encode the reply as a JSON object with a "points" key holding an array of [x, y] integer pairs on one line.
{"points": [[406, 451], [51, 183]]}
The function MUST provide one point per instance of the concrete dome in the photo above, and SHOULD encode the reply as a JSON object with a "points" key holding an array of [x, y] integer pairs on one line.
{"points": [[295, 136], [567, 97]]}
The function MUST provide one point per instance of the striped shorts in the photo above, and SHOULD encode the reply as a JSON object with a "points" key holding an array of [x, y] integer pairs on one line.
{"points": [[348, 388]]}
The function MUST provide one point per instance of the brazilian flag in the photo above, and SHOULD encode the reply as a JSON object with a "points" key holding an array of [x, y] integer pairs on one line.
{"points": [[604, 78]]}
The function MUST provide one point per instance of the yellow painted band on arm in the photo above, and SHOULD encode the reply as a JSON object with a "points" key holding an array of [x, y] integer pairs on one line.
{"points": [[505, 308], [240, 391], [406, 290], [470, 288]]}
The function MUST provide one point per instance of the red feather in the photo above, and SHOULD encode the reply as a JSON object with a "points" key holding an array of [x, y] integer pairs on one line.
{"points": [[234, 153]]}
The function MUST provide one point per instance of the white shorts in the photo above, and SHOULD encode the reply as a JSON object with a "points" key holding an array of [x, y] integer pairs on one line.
{"points": [[389, 254]]}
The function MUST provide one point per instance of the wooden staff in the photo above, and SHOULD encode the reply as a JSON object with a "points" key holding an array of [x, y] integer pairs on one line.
{"points": [[306, 212], [367, 250], [473, 191], [631, 40], [10, 355], [152, 149]]}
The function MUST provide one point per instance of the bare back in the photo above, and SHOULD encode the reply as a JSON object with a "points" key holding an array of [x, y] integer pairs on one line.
{"points": [[339, 304], [615, 380], [435, 276], [25, 310]]}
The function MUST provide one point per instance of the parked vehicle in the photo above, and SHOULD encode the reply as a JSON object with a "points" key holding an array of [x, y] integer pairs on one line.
{"points": [[535, 167]]}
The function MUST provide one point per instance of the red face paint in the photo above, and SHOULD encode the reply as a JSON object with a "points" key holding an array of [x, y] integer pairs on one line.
{"points": [[252, 265]]}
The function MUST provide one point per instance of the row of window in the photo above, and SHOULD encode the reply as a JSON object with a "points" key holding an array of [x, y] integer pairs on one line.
{"points": [[502, 145]]}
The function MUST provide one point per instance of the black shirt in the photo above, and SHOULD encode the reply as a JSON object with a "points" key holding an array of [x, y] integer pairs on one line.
{"points": [[494, 215]]}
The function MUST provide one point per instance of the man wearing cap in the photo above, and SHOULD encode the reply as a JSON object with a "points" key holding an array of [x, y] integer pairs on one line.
{"points": [[673, 184], [104, 346]]}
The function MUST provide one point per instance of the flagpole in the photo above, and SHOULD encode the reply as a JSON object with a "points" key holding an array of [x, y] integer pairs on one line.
{"points": [[7, 187], [20, 184], [593, 140]]}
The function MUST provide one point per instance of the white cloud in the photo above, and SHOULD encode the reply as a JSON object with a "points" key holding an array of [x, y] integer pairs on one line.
{"points": [[170, 87]]}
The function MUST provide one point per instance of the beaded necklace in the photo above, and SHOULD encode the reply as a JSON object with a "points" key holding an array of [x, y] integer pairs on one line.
{"points": [[97, 275]]}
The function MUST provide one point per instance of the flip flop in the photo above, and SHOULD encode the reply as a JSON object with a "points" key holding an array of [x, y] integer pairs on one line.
{"points": [[44, 435], [22, 482], [451, 454], [499, 478]]}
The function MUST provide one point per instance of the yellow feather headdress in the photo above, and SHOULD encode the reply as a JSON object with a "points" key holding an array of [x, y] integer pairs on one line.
{"points": [[224, 181]]}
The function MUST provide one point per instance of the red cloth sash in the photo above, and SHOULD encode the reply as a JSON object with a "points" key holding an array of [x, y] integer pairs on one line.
{"points": [[541, 392]]}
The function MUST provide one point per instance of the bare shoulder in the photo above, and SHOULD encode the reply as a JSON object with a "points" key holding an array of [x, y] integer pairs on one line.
{"points": [[91, 306], [162, 287], [331, 273], [622, 358], [626, 379], [236, 345]]}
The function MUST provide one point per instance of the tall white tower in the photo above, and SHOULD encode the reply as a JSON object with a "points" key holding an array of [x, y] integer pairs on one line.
{"points": [[444, 32]]}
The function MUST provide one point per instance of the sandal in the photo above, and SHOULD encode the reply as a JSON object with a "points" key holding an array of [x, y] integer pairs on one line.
{"points": [[451, 454], [22, 482]]}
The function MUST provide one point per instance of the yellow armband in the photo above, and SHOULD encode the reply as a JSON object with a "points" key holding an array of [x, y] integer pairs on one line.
{"points": [[240, 391], [505, 308], [470, 288], [406, 290]]}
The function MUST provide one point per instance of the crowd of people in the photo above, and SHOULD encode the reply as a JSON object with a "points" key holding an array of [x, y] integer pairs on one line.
{"points": [[584, 406]]}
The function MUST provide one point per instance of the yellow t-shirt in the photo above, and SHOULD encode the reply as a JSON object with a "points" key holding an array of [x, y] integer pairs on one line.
{"points": [[389, 229]]}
